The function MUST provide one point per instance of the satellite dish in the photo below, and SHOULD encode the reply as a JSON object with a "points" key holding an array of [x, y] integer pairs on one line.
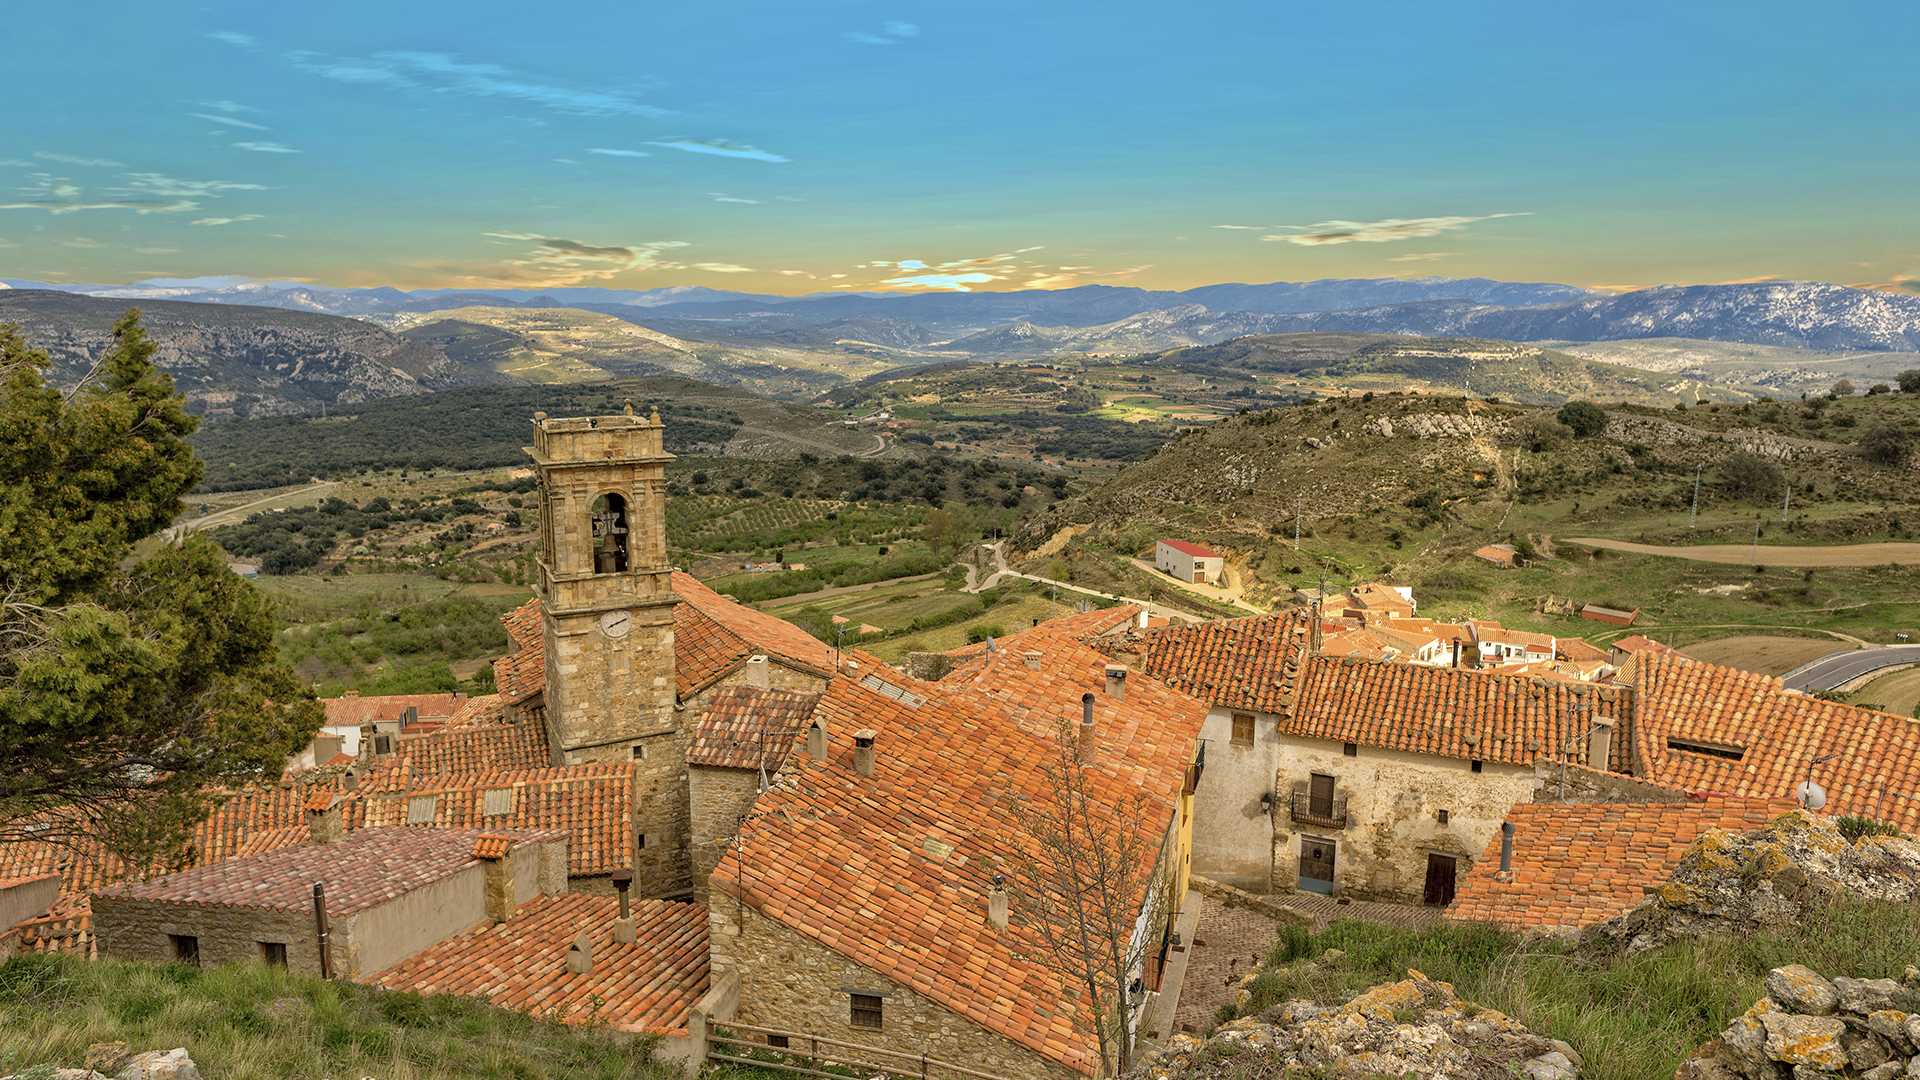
{"points": [[1810, 795]]}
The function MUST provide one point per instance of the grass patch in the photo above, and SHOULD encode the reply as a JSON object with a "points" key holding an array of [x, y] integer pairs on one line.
{"points": [[1631, 1016], [250, 1020]]}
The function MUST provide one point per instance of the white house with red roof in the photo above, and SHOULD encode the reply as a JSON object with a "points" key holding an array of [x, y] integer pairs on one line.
{"points": [[1189, 561]]}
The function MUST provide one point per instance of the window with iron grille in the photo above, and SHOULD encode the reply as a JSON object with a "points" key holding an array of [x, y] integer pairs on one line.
{"points": [[420, 809], [866, 1011]]}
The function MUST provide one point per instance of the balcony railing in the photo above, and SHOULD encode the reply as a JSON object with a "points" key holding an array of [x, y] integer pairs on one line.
{"points": [[1330, 813]]}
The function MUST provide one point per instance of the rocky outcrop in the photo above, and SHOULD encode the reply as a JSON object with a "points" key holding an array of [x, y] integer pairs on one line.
{"points": [[1436, 425], [1809, 1026], [1415, 1027], [1731, 883], [110, 1061]]}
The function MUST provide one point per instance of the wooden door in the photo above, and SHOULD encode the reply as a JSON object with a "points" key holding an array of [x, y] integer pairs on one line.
{"points": [[1320, 795], [1440, 879], [1316, 865]]}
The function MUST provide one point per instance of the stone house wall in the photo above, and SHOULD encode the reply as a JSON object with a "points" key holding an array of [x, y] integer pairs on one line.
{"points": [[1555, 785], [128, 929], [790, 981], [1232, 831], [1393, 804], [720, 798]]}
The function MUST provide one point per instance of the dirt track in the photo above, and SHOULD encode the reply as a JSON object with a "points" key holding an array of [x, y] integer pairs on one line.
{"points": [[1905, 554]]}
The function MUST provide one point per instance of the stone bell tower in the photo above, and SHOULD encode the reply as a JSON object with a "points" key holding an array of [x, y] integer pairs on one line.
{"points": [[606, 588]]}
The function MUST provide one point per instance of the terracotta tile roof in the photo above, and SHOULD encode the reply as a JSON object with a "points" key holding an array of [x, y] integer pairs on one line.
{"points": [[1776, 734], [1580, 650], [649, 986], [1080, 625], [1233, 663], [67, 928], [1364, 642], [479, 712], [1488, 630], [748, 728], [711, 634], [471, 748], [1579, 864], [1186, 547], [592, 804], [355, 710], [492, 845], [361, 870], [891, 870], [1447, 711], [1640, 643]]}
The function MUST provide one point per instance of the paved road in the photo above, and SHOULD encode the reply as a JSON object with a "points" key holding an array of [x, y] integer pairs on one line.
{"points": [[1002, 572], [233, 514], [1841, 668]]}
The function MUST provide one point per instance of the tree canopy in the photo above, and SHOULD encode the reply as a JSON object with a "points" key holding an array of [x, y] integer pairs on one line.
{"points": [[134, 681], [1584, 417]]}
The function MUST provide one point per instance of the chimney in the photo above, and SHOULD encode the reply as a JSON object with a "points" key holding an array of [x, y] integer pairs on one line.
{"points": [[580, 954], [1600, 744], [863, 751], [997, 903], [817, 739], [757, 672], [1032, 657], [1116, 681], [350, 779], [623, 927], [495, 852], [323, 817], [1087, 727], [1506, 852]]}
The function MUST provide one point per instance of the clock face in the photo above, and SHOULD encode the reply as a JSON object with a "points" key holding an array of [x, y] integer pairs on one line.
{"points": [[615, 624]]}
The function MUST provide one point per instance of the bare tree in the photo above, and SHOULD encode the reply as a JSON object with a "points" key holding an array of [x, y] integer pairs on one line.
{"points": [[1088, 882]]}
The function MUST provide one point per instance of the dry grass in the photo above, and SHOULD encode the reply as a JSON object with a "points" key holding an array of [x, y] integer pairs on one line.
{"points": [[1765, 653]]}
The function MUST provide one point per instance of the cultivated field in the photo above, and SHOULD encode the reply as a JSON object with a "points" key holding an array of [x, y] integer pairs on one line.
{"points": [[1768, 654]]}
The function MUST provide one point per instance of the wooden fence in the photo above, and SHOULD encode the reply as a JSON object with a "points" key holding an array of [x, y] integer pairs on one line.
{"points": [[807, 1054]]}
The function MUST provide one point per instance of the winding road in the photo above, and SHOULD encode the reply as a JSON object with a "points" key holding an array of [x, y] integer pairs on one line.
{"points": [[1841, 668]]}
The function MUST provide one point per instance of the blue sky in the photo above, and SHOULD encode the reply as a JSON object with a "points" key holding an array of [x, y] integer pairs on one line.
{"points": [[806, 146]]}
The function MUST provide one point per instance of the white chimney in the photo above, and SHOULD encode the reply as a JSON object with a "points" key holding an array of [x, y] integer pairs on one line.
{"points": [[997, 902], [580, 954], [1032, 657], [1116, 680], [817, 739], [757, 673], [863, 751]]}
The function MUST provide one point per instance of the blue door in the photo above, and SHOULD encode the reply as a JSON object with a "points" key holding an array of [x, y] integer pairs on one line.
{"points": [[1316, 865]]}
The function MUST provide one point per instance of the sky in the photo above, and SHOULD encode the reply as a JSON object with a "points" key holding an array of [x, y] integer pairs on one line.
{"points": [[795, 147]]}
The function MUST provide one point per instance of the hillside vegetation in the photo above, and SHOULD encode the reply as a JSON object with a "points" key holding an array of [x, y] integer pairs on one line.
{"points": [[256, 1021], [1407, 486]]}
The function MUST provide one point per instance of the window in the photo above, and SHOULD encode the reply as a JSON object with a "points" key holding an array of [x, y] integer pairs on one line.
{"points": [[1442, 816], [496, 802], [640, 841], [1242, 729], [779, 1041], [186, 948], [420, 809], [274, 953], [1731, 753], [866, 1011], [639, 753], [609, 534], [1479, 765], [383, 744], [1351, 749]]}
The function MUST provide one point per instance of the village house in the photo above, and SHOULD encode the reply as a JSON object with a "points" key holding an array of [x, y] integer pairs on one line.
{"points": [[1496, 645], [1187, 561], [379, 718]]}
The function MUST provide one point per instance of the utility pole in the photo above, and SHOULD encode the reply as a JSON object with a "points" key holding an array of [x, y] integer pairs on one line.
{"points": [[1296, 527], [1694, 513], [1756, 541], [1786, 502]]}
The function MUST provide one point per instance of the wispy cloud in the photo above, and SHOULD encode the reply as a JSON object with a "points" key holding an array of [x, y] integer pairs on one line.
{"points": [[720, 268], [720, 148], [156, 251], [58, 195], [265, 147], [234, 38], [1422, 256], [227, 105], [891, 33], [229, 121], [1383, 231], [945, 282], [236, 219], [84, 243], [447, 73], [161, 184], [619, 152], [75, 159], [723, 197], [552, 260]]}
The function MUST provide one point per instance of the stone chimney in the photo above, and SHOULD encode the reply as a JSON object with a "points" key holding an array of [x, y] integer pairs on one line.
{"points": [[1116, 680], [863, 751], [580, 954], [1600, 744], [1032, 657], [623, 931], [817, 739], [997, 902], [1084, 740], [495, 852], [1506, 852], [350, 779], [757, 676], [324, 825]]}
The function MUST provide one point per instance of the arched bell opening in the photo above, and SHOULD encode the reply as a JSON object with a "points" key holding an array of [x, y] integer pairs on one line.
{"points": [[611, 544]]}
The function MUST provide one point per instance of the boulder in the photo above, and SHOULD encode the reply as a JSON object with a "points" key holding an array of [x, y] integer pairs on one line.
{"points": [[160, 1065], [1812, 1028], [1802, 990]]}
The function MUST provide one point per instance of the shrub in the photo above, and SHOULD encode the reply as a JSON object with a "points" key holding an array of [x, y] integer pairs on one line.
{"points": [[1583, 418], [1908, 381], [1887, 445], [1749, 476]]}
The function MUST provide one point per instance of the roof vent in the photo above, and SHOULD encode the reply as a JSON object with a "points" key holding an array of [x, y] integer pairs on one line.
{"points": [[1032, 657], [863, 751], [817, 739], [757, 675], [1116, 680], [580, 954], [997, 902]]}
